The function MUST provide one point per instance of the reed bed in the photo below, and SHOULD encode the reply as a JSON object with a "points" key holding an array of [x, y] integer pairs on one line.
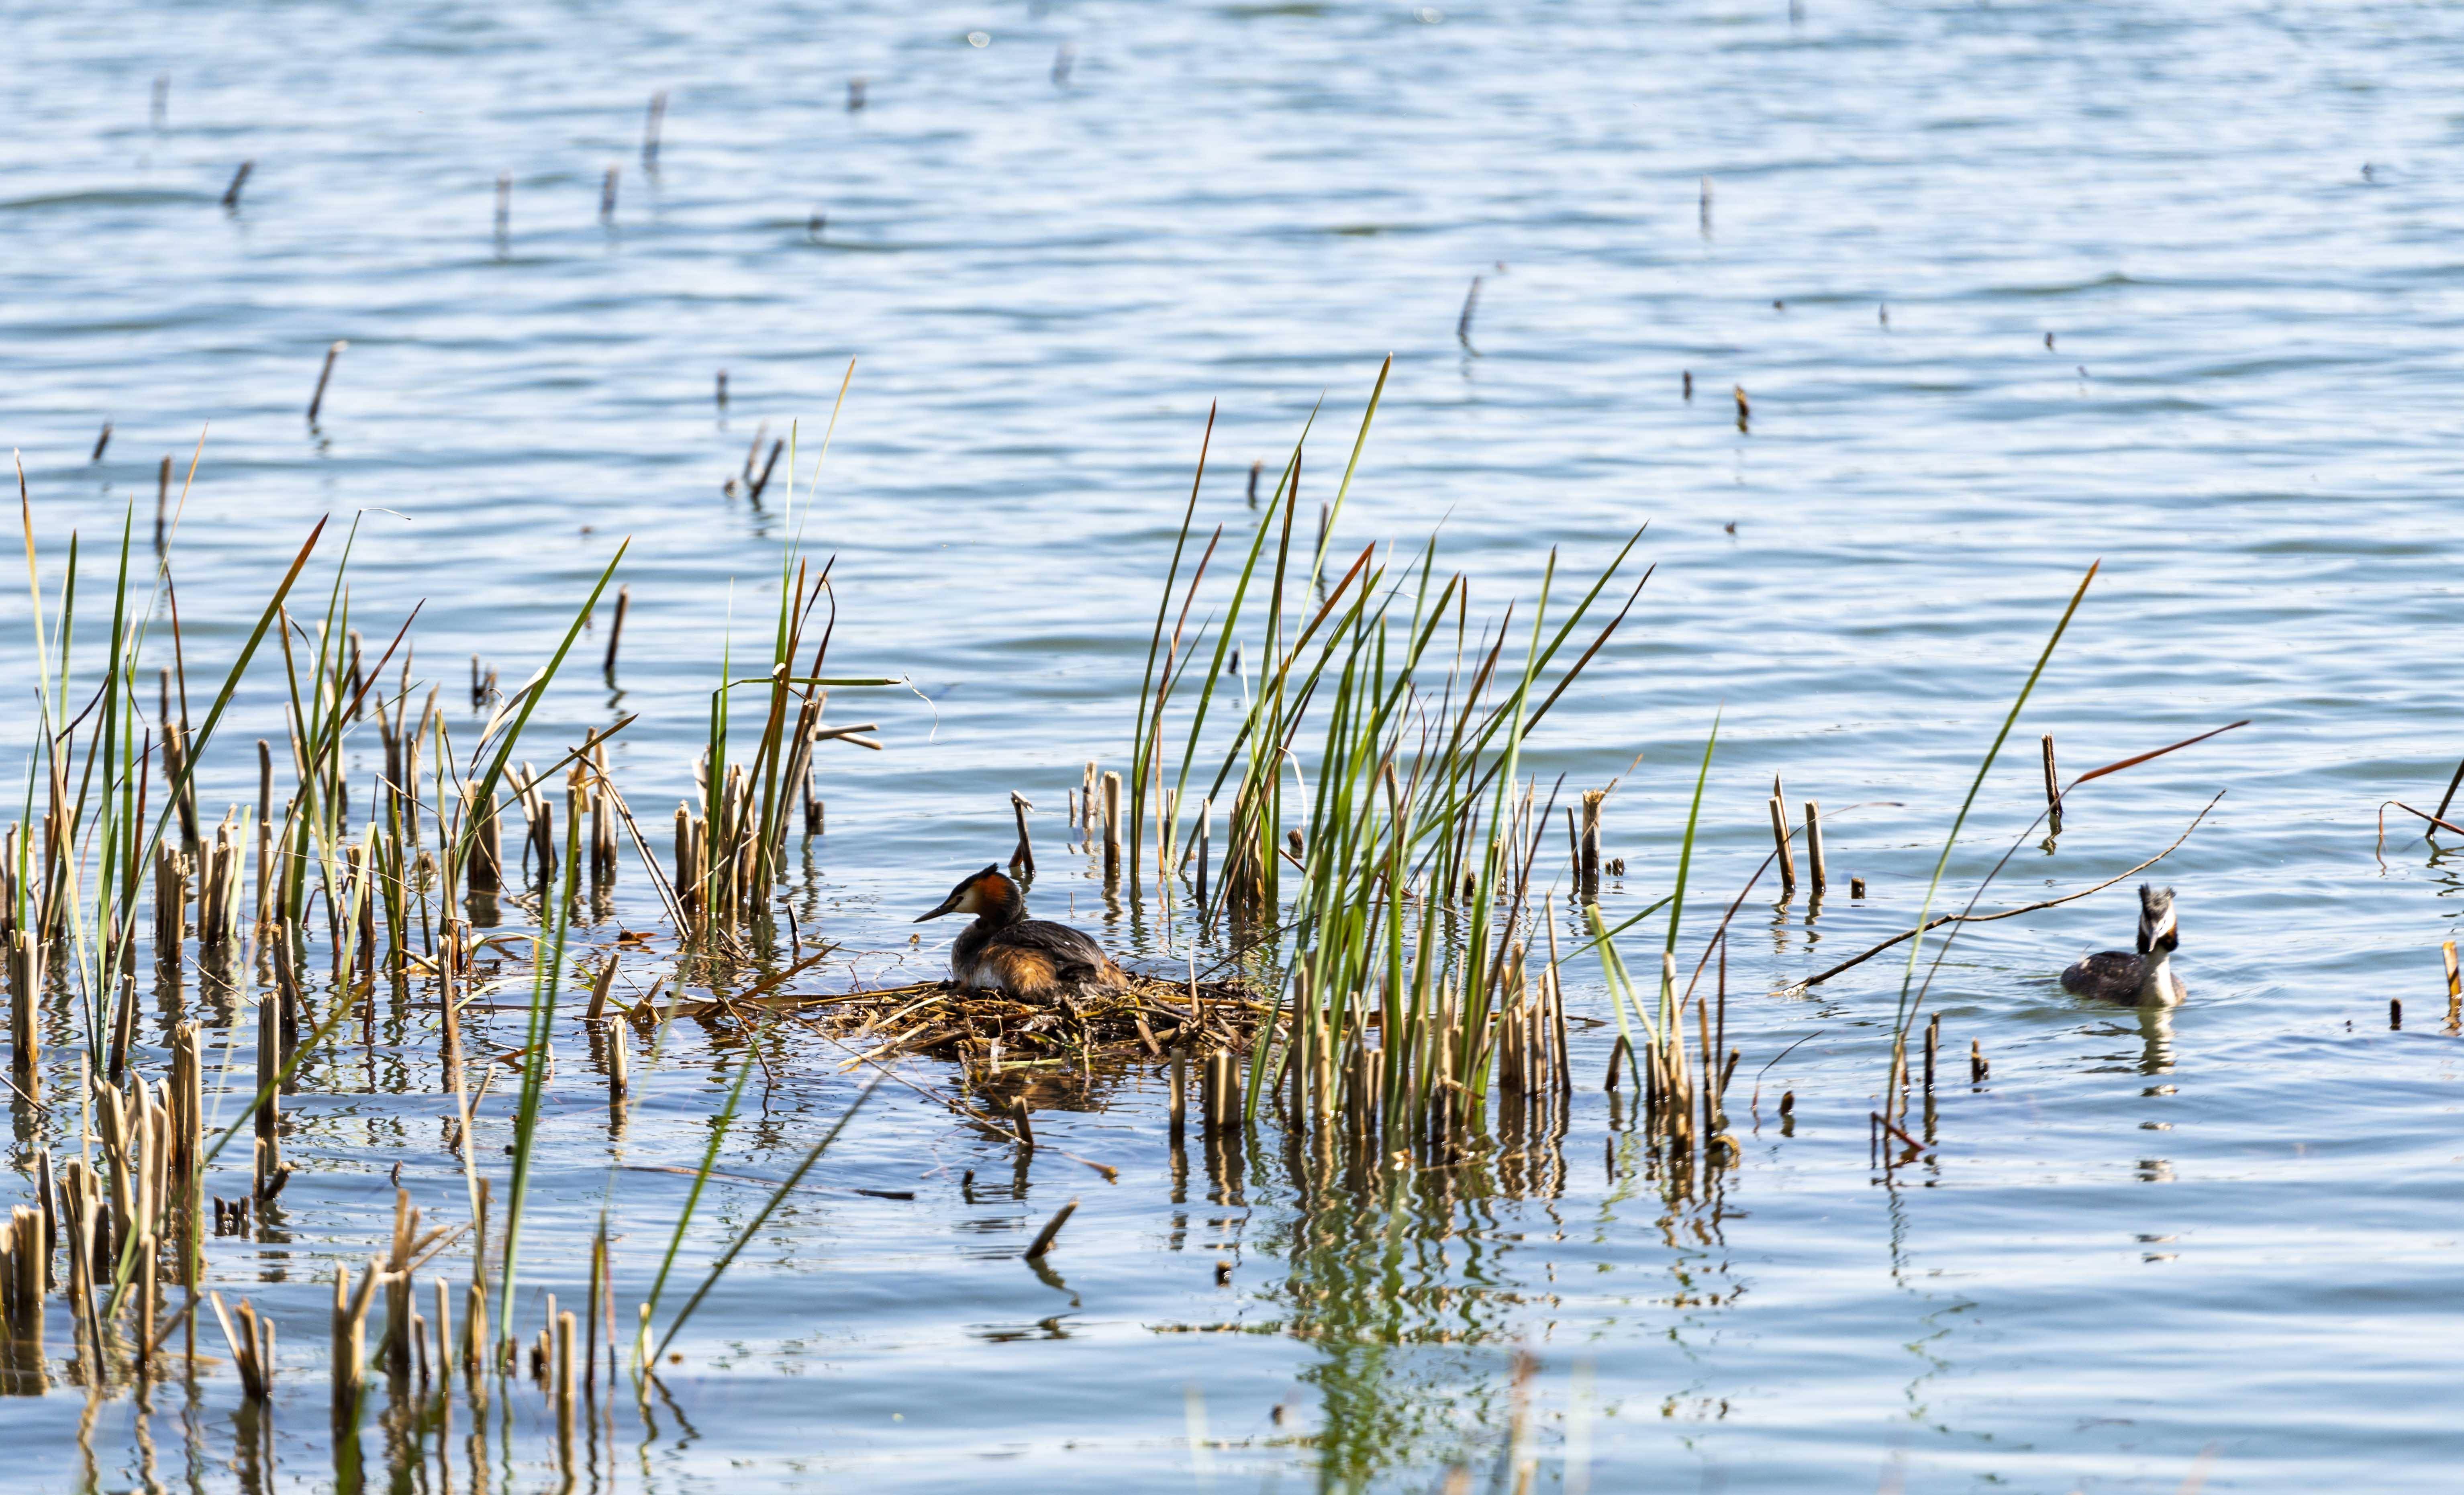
{"points": [[1326, 796]]}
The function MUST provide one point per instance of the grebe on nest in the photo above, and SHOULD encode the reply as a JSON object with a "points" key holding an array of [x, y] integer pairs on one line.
{"points": [[2145, 979], [1003, 949]]}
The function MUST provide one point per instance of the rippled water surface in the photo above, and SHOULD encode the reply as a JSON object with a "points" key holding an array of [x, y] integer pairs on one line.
{"points": [[2011, 289]]}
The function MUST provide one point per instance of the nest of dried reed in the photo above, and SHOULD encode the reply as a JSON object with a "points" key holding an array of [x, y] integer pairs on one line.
{"points": [[988, 1030]]}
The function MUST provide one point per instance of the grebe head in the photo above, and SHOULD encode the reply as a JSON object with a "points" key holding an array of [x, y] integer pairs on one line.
{"points": [[989, 891], [2159, 932]]}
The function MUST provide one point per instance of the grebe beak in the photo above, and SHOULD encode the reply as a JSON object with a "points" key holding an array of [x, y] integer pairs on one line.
{"points": [[947, 905]]}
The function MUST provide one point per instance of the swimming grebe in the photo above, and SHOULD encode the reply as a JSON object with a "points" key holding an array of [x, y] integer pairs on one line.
{"points": [[1003, 949], [2145, 979]]}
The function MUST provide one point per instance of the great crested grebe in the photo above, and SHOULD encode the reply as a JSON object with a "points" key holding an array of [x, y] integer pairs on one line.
{"points": [[2145, 979], [1003, 949]]}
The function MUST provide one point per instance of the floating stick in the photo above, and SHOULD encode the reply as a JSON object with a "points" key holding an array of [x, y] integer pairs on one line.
{"points": [[325, 376]]}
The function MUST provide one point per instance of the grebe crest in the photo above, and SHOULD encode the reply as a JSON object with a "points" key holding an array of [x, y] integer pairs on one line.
{"points": [[1003, 949], [2145, 977]]}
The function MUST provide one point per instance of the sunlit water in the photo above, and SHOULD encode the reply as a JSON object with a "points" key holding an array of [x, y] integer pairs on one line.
{"points": [[2010, 289]]}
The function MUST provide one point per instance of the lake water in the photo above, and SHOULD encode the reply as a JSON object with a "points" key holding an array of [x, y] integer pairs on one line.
{"points": [[2010, 288]]}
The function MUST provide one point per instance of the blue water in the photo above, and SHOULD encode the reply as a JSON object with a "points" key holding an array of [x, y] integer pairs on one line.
{"points": [[2011, 289]]}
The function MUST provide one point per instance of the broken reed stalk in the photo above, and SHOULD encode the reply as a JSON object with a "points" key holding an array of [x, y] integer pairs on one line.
{"points": [[316, 402], [616, 633], [1044, 1239], [1588, 858], [2053, 790], [1111, 823], [239, 179], [1814, 864], [1781, 848], [2455, 986], [1021, 861], [650, 125]]}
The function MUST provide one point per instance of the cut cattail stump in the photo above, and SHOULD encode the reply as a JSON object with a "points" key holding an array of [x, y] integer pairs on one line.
{"points": [[1855, 888], [1977, 1067], [1205, 828], [504, 210], [239, 179], [269, 1110], [1179, 1107], [1463, 324], [722, 389], [1781, 850], [1703, 207], [624, 605], [1814, 847], [1589, 859], [1111, 820], [325, 376], [855, 93], [101, 441], [619, 1073], [608, 196], [25, 1003], [350, 1352], [1933, 1042], [1255, 468], [1744, 409], [1043, 1242], [1618, 1058], [1024, 1128], [2053, 790], [1023, 860], [162, 502], [2395, 1012]]}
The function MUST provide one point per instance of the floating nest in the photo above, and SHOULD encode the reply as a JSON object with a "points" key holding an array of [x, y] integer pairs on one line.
{"points": [[940, 1019]]}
